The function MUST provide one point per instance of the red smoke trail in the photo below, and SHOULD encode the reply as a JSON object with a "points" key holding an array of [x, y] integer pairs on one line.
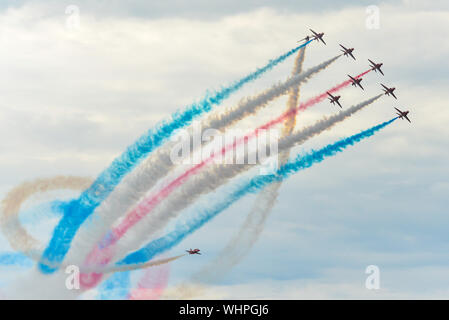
{"points": [[152, 284], [103, 253]]}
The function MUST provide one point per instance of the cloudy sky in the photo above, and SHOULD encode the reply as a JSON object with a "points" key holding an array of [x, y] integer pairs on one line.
{"points": [[73, 96]]}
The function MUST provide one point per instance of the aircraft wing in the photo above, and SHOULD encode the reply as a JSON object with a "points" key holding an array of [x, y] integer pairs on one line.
{"points": [[330, 95], [407, 118], [358, 83], [322, 40], [313, 32], [381, 71], [393, 95], [350, 53], [398, 110], [373, 64], [339, 104], [384, 86], [343, 48], [351, 78]]}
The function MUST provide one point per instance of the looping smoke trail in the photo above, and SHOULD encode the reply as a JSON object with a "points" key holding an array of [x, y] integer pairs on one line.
{"points": [[77, 211], [17, 236], [136, 184], [208, 181], [173, 238]]}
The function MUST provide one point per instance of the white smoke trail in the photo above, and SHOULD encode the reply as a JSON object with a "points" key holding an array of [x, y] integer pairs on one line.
{"points": [[138, 182], [210, 179], [249, 106]]}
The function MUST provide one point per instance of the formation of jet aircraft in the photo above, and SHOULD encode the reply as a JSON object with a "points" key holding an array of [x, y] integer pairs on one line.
{"points": [[356, 81]]}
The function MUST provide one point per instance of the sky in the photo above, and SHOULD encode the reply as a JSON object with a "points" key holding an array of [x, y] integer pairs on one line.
{"points": [[73, 98]]}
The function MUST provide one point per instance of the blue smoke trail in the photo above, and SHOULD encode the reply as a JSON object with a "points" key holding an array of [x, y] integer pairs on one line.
{"points": [[15, 259], [116, 287], [77, 211], [255, 184]]}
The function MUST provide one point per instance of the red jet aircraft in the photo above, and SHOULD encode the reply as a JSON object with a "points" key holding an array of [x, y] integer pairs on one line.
{"points": [[318, 36], [334, 99], [376, 66], [356, 82], [402, 114], [388, 91], [193, 251], [347, 52]]}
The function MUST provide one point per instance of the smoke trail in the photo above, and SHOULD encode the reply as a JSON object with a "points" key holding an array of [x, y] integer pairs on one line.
{"points": [[248, 107], [91, 275], [209, 180], [243, 240], [116, 287], [173, 238], [152, 284], [15, 259], [103, 253], [17, 236], [78, 210], [135, 185], [120, 268], [144, 207]]}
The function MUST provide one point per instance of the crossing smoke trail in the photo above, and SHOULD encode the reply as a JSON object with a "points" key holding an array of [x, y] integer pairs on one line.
{"points": [[17, 236], [145, 206], [209, 180], [246, 108], [77, 211], [103, 253], [243, 240], [205, 182], [136, 184], [255, 184]]}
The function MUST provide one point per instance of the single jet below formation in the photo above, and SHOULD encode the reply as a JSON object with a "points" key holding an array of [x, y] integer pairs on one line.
{"points": [[347, 52], [193, 251], [388, 91], [334, 99], [356, 82], [402, 114], [318, 36], [376, 66]]}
